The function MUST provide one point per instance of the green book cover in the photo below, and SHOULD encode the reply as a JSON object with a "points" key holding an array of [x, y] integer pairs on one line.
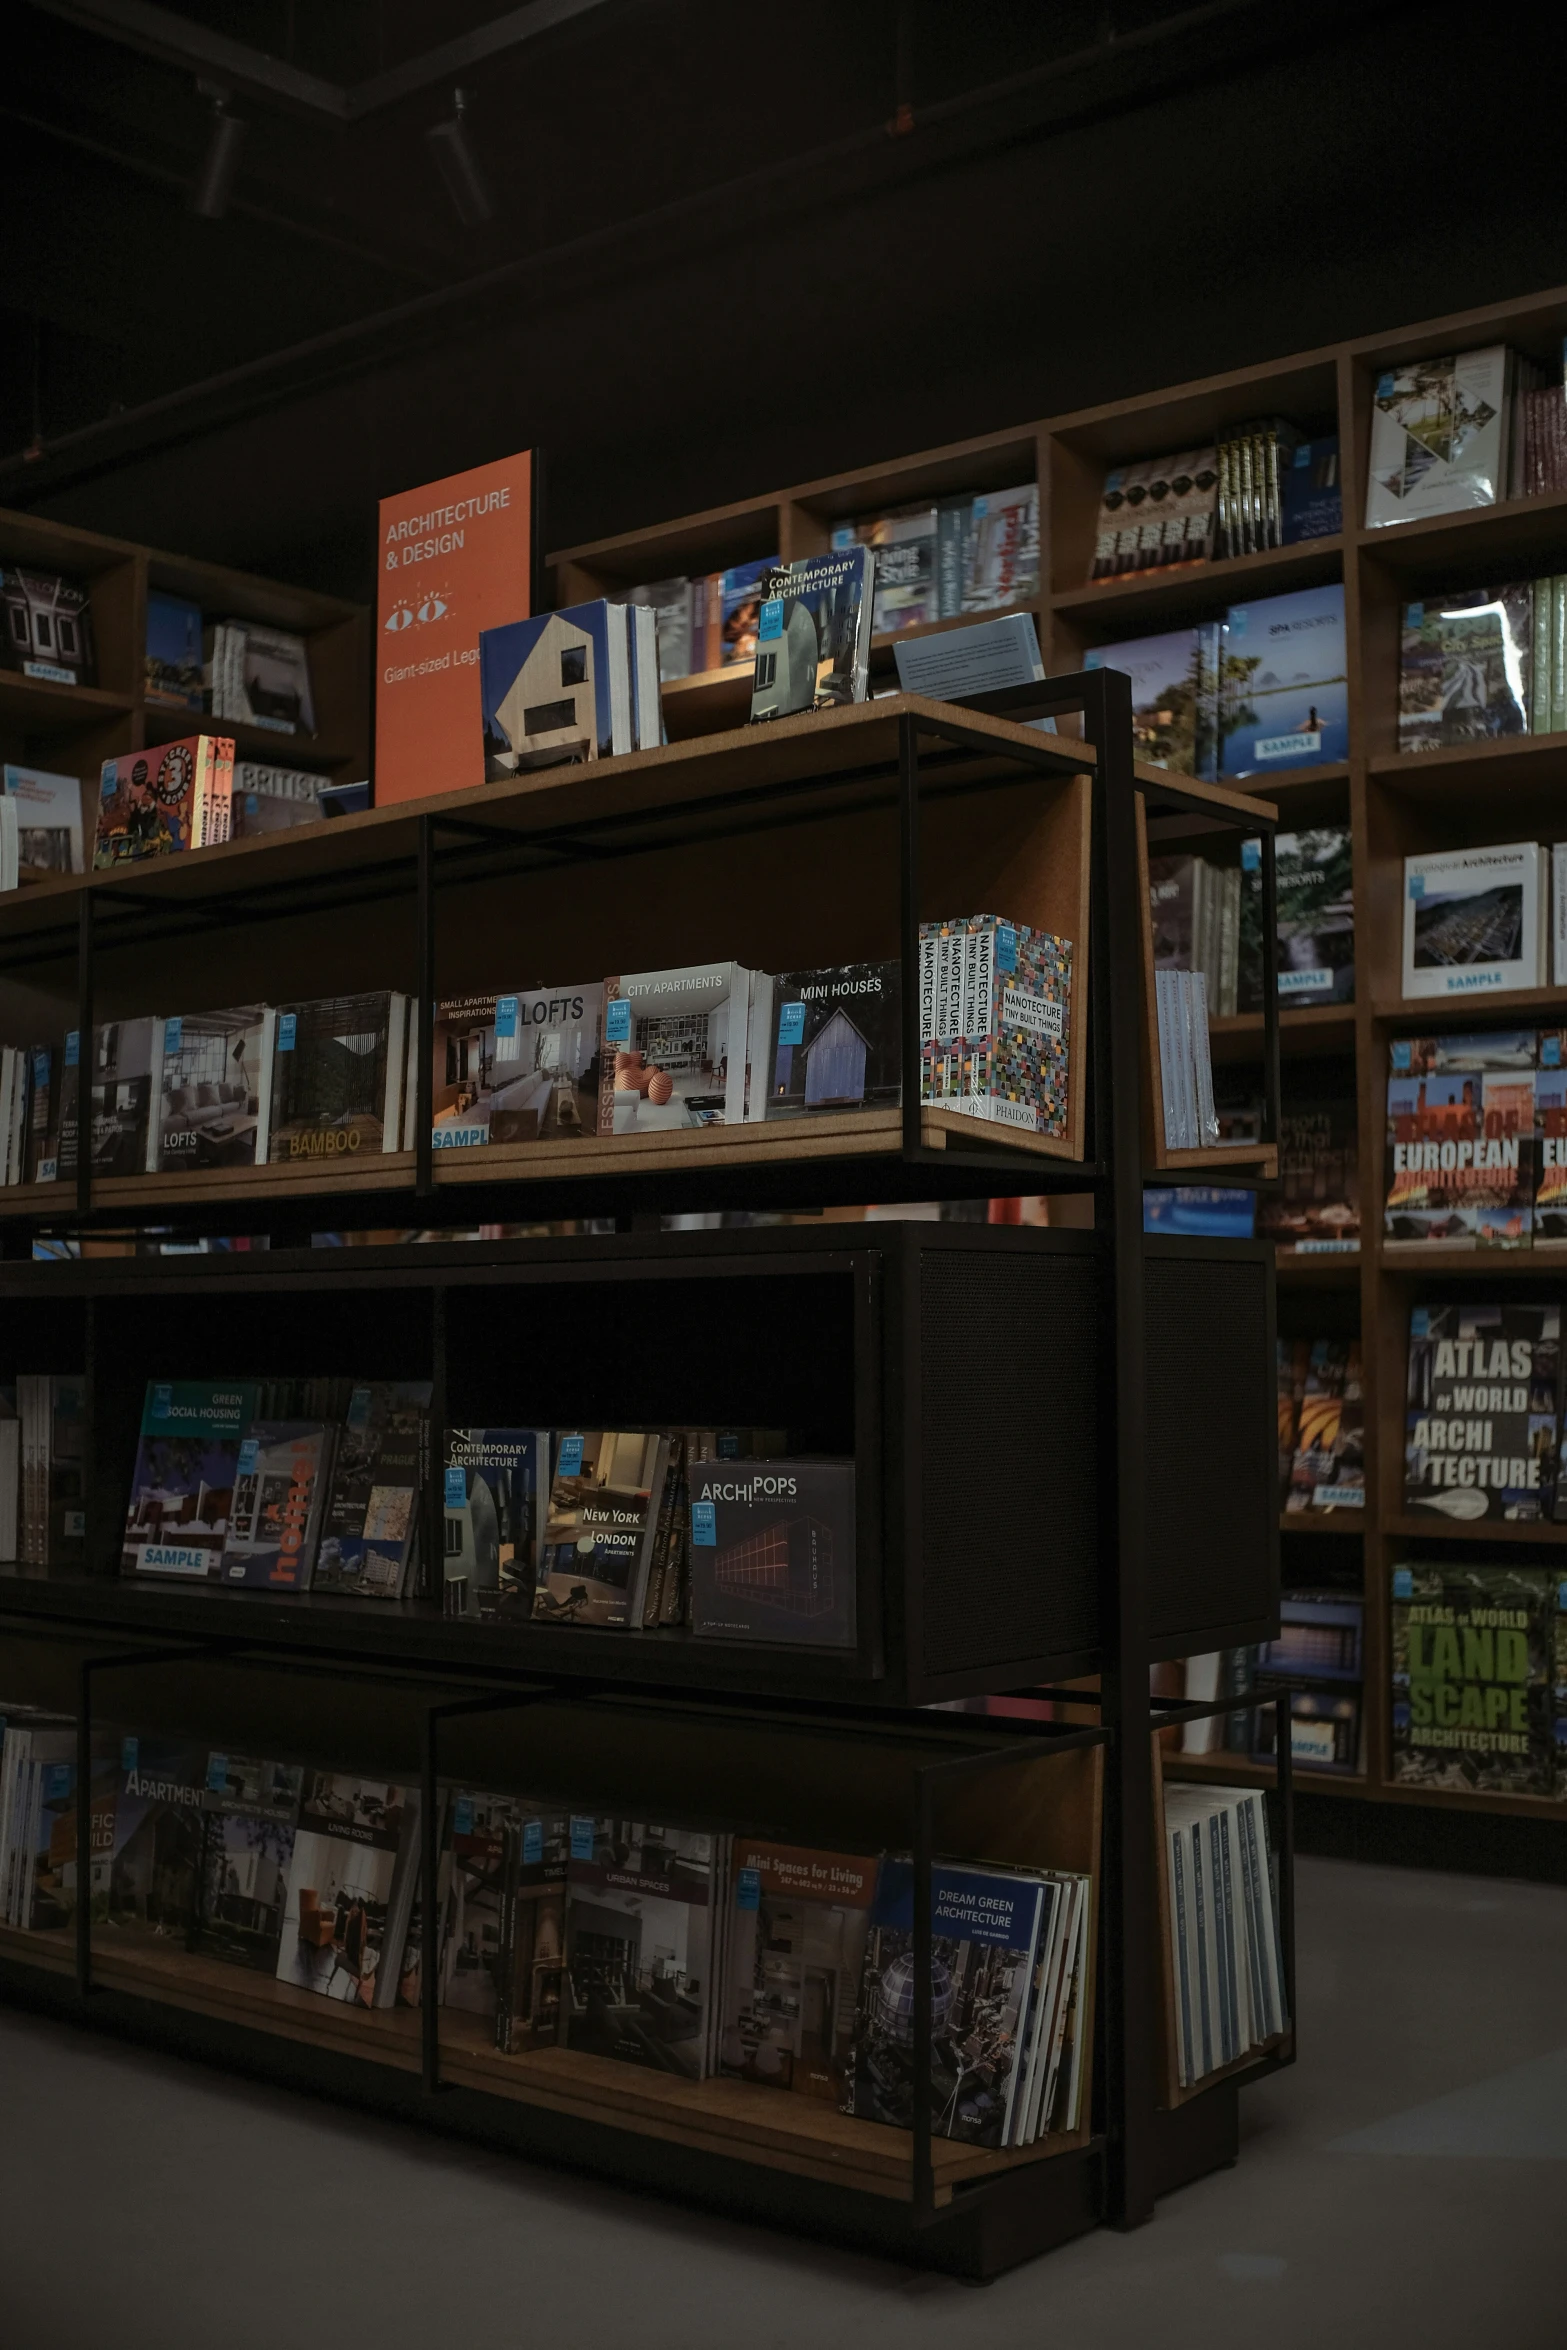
{"points": [[1474, 1669]]}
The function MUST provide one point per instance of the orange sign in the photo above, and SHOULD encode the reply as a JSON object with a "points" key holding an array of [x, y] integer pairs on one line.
{"points": [[455, 557]]}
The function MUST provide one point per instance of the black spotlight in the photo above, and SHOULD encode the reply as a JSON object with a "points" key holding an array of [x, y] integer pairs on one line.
{"points": [[453, 150], [210, 196]]}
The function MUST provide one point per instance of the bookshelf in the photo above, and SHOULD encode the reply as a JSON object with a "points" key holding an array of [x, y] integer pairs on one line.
{"points": [[1395, 805], [1083, 1361]]}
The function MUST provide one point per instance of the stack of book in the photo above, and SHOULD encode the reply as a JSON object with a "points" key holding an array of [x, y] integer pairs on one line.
{"points": [[41, 1520], [1222, 1902], [1477, 1141], [950, 556], [1479, 663], [1207, 918], [1461, 430], [234, 670], [1261, 485]]}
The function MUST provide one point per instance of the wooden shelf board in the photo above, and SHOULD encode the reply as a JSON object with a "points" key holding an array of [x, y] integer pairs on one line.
{"points": [[1338, 1521], [1246, 1771], [1435, 1014], [1540, 1807], [250, 742], [735, 2119], [1415, 1525], [39, 706], [1508, 763], [1225, 799], [1142, 599], [850, 1133], [1239, 1154], [1514, 527], [225, 594], [1339, 1271], [1417, 1259], [1309, 1028]]}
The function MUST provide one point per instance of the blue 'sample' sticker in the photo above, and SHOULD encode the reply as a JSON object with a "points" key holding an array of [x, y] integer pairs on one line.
{"points": [[286, 1026], [581, 1838], [748, 1889], [532, 1843], [1006, 947], [217, 1774], [249, 1454], [568, 1462], [704, 1525], [791, 1024], [770, 625], [505, 1016], [617, 1020], [462, 1816], [456, 1489], [162, 1399], [173, 1031], [130, 1752], [73, 1047], [1403, 1583]]}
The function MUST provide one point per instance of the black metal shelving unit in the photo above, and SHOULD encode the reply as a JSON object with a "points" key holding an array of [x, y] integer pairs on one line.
{"points": [[1064, 1445]]}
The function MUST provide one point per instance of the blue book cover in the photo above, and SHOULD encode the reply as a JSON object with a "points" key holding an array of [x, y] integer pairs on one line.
{"points": [[546, 689], [984, 1933], [1173, 687], [1201, 1209], [1313, 501], [494, 1491], [182, 1489], [173, 652], [1283, 692]]}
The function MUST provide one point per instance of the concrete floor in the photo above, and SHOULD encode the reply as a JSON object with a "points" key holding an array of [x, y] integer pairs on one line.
{"points": [[1405, 2184]]}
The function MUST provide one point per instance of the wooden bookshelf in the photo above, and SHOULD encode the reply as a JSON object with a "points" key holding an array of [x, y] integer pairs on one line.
{"points": [[1396, 804]]}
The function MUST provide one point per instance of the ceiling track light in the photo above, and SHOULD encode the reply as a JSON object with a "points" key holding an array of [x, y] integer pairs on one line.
{"points": [[210, 196], [452, 146]]}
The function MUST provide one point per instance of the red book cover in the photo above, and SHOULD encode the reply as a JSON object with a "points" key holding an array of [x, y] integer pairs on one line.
{"points": [[455, 557]]}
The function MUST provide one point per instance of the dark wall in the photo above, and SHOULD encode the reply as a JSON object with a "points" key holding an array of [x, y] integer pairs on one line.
{"points": [[1397, 166]]}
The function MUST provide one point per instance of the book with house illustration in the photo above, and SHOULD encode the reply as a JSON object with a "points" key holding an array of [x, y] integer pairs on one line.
{"points": [[212, 1077], [556, 689], [351, 1884], [673, 1049], [832, 1039], [516, 1068], [337, 1078], [182, 1487]]}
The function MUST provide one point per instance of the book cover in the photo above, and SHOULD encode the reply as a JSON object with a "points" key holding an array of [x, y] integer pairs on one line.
{"points": [[1460, 1141], [1437, 436], [1312, 495], [639, 1931], [173, 666], [48, 818], [119, 1093], [1466, 667], [905, 545], [672, 1049], [995, 1012], [737, 598], [1314, 897], [1328, 1470], [1283, 683], [773, 1551], [555, 690], [274, 799], [456, 559], [604, 1497], [271, 679], [835, 1040], [1472, 1677], [251, 1815], [280, 1486], [370, 1530], [495, 1486], [1001, 552], [984, 1937], [517, 1068], [1474, 920], [350, 1889], [337, 1071], [1174, 681], [1483, 1410], [814, 634], [48, 626], [41, 1842], [156, 802], [1550, 1116], [795, 1951], [148, 1834], [213, 1083], [502, 1942], [978, 659], [1316, 1209], [182, 1487]]}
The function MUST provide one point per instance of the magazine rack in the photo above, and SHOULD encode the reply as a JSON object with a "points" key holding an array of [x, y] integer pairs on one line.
{"points": [[1097, 1553]]}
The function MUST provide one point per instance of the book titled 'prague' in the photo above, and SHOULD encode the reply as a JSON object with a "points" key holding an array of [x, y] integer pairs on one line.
{"points": [[835, 1040], [182, 1488], [814, 634], [772, 1551]]}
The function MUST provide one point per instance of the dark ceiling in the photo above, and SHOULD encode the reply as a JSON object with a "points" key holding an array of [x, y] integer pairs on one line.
{"points": [[718, 257]]}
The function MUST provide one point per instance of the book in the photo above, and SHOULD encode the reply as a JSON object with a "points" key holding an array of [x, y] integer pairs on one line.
{"points": [[1328, 1470], [555, 690], [1226, 1970], [274, 799], [597, 1549], [672, 1049], [1460, 1141], [173, 663], [1283, 683], [1473, 1670], [48, 818], [516, 1068], [669, 601], [1438, 436], [1316, 1209], [1174, 680], [39, 1837], [794, 1952], [351, 1882], [985, 1927], [370, 1530], [148, 1834], [833, 1040], [337, 1078], [280, 1487], [456, 558], [156, 802], [530, 1974], [1550, 1121], [639, 1933], [1313, 498], [478, 1954], [119, 1083], [1483, 1411], [1001, 549], [1466, 666], [813, 634], [737, 606], [773, 1551], [250, 1818], [1475, 920], [48, 631], [495, 1490], [978, 659], [905, 548], [1315, 901], [261, 677], [212, 1076], [995, 1007], [182, 1486]]}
